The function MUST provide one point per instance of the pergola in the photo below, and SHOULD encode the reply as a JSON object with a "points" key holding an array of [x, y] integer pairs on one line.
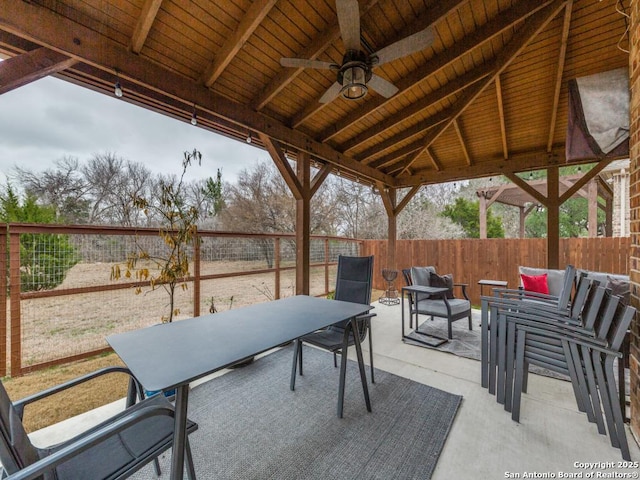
{"points": [[488, 96], [537, 195]]}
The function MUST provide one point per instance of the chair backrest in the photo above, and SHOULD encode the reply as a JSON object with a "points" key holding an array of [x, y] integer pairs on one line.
{"points": [[353, 284], [406, 273], [567, 286], [354, 278], [16, 450]]}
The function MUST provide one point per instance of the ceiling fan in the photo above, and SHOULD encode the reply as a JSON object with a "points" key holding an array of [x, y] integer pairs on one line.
{"points": [[354, 75]]}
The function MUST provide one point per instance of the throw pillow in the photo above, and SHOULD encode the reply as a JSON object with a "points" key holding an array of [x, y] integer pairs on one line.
{"points": [[535, 283], [442, 281], [619, 288]]}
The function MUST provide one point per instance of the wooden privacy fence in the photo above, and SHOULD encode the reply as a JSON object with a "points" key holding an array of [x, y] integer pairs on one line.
{"points": [[470, 260], [62, 302]]}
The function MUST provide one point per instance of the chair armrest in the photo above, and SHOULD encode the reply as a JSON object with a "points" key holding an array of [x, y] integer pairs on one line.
{"points": [[76, 447], [463, 287], [555, 325], [133, 383], [592, 343]]}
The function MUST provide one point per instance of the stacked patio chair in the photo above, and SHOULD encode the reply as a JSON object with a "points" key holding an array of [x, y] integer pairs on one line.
{"points": [[543, 303], [114, 449], [580, 339]]}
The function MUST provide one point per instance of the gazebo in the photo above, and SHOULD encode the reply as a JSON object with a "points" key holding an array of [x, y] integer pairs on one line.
{"points": [[537, 195]]}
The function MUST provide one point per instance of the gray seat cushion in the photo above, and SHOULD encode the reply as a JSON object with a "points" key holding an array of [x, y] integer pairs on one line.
{"points": [[439, 309], [555, 278]]}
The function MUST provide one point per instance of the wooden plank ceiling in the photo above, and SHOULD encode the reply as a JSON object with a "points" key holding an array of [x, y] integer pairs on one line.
{"points": [[488, 96]]}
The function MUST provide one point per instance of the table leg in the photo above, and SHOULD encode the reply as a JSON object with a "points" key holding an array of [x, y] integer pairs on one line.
{"points": [[179, 432], [363, 376], [402, 307]]}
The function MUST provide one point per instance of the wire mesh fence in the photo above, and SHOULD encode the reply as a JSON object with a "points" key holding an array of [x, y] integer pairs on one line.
{"points": [[64, 298]]}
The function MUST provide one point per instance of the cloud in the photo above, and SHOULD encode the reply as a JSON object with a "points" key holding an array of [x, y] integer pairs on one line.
{"points": [[50, 119]]}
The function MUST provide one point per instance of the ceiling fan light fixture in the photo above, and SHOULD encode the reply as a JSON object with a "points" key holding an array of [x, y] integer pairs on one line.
{"points": [[354, 83]]}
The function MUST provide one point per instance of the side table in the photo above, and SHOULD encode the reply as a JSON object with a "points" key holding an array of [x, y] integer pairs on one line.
{"points": [[491, 283]]}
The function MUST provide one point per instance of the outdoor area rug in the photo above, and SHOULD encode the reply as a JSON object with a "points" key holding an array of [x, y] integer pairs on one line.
{"points": [[251, 426]]}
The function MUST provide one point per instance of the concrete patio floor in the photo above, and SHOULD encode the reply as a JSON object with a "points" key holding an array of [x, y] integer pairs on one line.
{"points": [[553, 438]]}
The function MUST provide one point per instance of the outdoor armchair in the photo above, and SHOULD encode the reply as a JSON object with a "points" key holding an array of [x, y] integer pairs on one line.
{"points": [[445, 305], [114, 449], [353, 284]]}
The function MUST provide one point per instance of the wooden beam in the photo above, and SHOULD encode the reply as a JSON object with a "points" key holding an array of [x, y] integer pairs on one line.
{"points": [[257, 11], [44, 27], [598, 167], [483, 216], [434, 14], [463, 145], [494, 27], [531, 28], [486, 166], [407, 198], [144, 23], [432, 159], [559, 72], [392, 230], [389, 205], [503, 127], [539, 197], [451, 88], [312, 52], [320, 177], [553, 218], [496, 195], [23, 69], [303, 226], [283, 166]]}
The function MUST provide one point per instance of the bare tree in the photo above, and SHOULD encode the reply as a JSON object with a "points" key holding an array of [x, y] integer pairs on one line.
{"points": [[63, 188]]}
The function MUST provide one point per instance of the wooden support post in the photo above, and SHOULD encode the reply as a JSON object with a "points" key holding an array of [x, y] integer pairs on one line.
{"points": [[483, 216], [592, 201], [3, 301], [392, 231], [553, 217], [523, 217], [608, 212], [14, 298], [303, 224]]}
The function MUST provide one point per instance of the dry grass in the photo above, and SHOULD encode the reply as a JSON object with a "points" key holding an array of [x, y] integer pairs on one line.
{"points": [[72, 402], [79, 399]]}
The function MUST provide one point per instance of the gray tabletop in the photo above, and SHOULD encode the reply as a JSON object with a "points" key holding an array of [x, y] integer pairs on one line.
{"points": [[172, 354]]}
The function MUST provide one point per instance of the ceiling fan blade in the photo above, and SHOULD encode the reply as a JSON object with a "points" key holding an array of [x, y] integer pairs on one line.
{"points": [[349, 21], [331, 93], [304, 63], [408, 45], [382, 86]]}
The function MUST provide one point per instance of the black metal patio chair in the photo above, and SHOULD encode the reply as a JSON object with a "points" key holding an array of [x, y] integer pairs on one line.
{"points": [[114, 449], [353, 284]]}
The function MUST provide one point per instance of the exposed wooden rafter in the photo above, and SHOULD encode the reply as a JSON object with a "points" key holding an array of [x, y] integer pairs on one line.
{"points": [[251, 20], [483, 34], [143, 26], [451, 88], [534, 25], [559, 72], [463, 145], [503, 126], [28, 67]]}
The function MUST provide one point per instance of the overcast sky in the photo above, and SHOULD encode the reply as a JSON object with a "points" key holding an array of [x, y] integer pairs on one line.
{"points": [[50, 118]]}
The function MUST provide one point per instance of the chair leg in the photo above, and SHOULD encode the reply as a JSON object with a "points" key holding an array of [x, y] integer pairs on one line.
{"points": [[470, 322], [335, 360], [343, 374], [615, 405], [517, 384], [156, 466], [191, 471], [450, 329], [297, 344], [371, 354], [511, 346]]}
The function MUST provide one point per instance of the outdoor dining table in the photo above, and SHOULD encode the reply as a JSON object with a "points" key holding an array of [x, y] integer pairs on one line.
{"points": [[171, 355]]}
